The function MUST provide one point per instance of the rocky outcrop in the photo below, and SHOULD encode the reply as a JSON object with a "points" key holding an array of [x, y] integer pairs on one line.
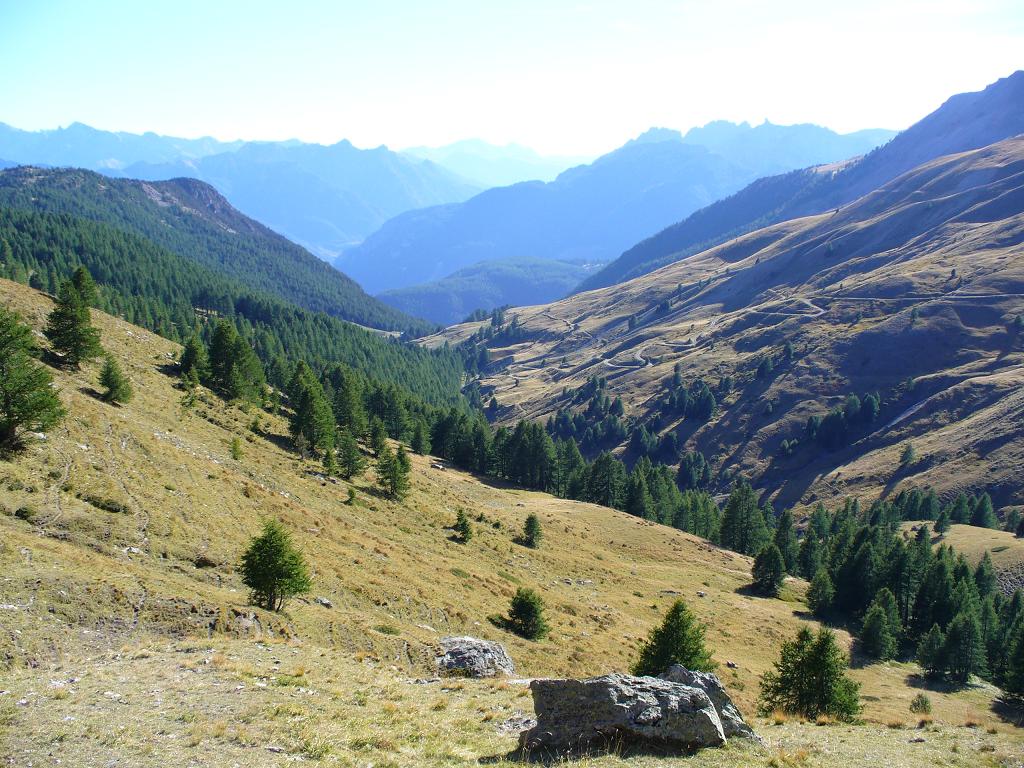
{"points": [[621, 710], [732, 721], [472, 657]]}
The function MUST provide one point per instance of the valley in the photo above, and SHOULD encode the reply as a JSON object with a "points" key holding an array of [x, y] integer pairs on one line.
{"points": [[136, 616]]}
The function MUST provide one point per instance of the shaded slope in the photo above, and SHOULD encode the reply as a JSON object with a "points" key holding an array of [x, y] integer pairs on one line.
{"points": [[193, 220], [965, 121]]}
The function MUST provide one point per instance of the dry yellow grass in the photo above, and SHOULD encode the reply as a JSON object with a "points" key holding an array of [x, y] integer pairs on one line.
{"points": [[94, 594]]}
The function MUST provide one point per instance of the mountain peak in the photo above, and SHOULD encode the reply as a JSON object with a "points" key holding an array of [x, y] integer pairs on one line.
{"points": [[655, 135]]}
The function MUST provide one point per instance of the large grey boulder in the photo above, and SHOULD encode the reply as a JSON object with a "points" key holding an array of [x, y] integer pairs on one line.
{"points": [[732, 721], [612, 710], [472, 657]]}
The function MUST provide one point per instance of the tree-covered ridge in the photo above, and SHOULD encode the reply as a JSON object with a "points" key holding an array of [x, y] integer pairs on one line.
{"points": [[169, 294], [192, 220]]}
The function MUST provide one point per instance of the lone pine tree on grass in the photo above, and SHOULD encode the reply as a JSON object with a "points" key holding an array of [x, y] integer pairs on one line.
{"points": [[526, 615], [532, 533], [463, 528], [27, 399], [116, 387], [679, 639], [769, 571], [69, 328], [810, 679], [350, 459], [393, 471], [273, 569]]}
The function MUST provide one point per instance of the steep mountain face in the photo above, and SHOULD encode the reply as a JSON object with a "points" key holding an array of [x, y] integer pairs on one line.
{"points": [[913, 292], [487, 285], [81, 146], [192, 219], [966, 121], [489, 165], [324, 198], [590, 212]]}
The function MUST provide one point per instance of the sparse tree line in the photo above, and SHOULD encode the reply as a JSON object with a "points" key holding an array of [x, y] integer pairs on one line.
{"points": [[27, 397]]}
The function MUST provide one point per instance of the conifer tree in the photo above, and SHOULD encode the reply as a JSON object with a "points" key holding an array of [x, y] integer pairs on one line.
{"points": [[85, 286], [27, 399], [526, 615], [235, 371], [463, 528], [811, 554], [532, 533], [1013, 679], [743, 528], [821, 593], [769, 570], [810, 679], [679, 639], [378, 436], [350, 458], [964, 650], [117, 388], [273, 569], [69, 328], [930, 651], [983, 515], [942, 522], [638, 497], [420, 443], [194, 359], [985, 576], [785, 540], [876, 636], [393, 472]]}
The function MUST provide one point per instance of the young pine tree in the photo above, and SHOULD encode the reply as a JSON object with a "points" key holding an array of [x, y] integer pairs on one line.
{"points": [[194, 361], [85, 286], [679, 639], [810, 679], [420, 442], [876, 637], [983, 515], [785, 540], [532, 533], [769, 570], [27, 400], [69, 328], [378, 436], [393, 472], [116, 387], [964, 649], [463, 528], [526, 615], [273, 569], [350, 459]]}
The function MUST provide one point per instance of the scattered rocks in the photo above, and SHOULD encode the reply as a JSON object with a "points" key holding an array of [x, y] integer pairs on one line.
{"points": [[472, 657], [324, 602], [204, 561], [701, 593], [732, 721], [518, 723], [608, 711], [732, 665]]}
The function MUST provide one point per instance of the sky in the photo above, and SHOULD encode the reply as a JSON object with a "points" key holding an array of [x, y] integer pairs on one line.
{"points": [[571, 78]]}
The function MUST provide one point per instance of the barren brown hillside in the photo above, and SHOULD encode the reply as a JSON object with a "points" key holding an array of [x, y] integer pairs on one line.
{"points": [[910, 291]]}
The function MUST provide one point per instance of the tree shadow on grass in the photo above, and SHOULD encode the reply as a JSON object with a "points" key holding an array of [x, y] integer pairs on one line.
{"points": [[614, 746], [1009, 709], [935, 684]]}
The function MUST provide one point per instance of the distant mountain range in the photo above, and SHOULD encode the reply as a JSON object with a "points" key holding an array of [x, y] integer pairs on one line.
{"points": [[965, 121], [487, 285], [591, 212], [496, 166], [322, 197]]}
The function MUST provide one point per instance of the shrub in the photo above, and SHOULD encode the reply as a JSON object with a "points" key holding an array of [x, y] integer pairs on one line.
{"points": [[679, 639], [26, 513], [921, 705]]}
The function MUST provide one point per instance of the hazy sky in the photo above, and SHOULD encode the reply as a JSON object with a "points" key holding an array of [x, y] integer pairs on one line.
{"points": [[563, 77]]}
